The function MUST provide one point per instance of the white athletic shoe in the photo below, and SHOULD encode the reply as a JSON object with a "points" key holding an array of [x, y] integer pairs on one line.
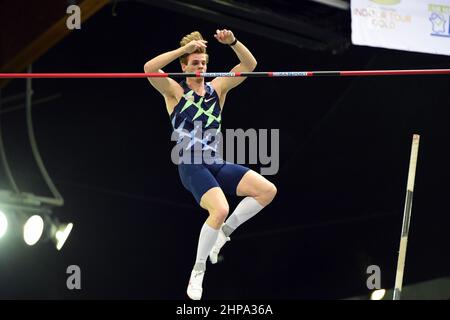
{"points": [[220, 242], [194, 290]]}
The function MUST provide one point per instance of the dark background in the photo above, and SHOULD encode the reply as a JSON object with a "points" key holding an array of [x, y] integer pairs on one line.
{"points": [[344, 154]]}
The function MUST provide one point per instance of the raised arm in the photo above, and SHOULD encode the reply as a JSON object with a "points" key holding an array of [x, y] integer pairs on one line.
{"points": [[247, 61], [166, 86]]}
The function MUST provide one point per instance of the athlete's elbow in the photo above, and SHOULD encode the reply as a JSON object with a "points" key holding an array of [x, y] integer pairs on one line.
{"points": [[253, 64], [149, 68], [250, 66]]}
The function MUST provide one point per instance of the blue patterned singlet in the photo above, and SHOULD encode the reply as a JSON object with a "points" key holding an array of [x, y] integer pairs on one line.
{"points": [[198, 119]]}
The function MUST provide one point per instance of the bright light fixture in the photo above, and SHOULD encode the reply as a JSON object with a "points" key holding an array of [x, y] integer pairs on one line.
{"points": [[378, 294], [32, 230], [61, 234]]}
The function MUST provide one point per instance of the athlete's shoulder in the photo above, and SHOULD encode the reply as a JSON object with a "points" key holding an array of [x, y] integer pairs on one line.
{"points": [[210, 88]]}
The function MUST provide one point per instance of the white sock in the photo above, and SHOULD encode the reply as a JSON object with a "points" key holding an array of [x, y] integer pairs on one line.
{"points": [[208, 237], [246, 209]]}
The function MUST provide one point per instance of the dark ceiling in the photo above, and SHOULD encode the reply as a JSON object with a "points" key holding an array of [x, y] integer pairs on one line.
{"points": [[344, 153], [303, 24]]}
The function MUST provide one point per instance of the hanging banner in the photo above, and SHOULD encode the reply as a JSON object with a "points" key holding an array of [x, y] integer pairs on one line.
{"points": [[410, 25]]}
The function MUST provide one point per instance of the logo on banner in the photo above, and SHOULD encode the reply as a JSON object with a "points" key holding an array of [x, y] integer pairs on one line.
{"points": [[439, 18], [387, 2]]}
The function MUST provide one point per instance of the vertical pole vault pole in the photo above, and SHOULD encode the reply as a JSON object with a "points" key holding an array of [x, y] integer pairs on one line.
{"points": [[406, 217]]}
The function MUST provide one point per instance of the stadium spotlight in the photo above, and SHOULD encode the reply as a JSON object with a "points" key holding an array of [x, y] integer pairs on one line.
{"points": [[58, 232], [32, 230], [30, 219], [378, 294]]}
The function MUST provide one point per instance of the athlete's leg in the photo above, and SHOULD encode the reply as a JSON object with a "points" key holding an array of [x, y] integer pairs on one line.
{"points": [[258, 193], [239, 180], [199, 180], [256, 186], [217, 205], [215, 202]]}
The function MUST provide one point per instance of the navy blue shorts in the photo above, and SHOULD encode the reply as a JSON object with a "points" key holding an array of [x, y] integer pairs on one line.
{"points": [[199, 178]]}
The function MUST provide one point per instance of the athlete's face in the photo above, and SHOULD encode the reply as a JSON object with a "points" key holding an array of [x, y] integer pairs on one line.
{"points": [[197, 62]]}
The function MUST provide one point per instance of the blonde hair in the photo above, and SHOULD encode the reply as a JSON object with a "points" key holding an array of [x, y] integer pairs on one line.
{"points": [[188, 38]]}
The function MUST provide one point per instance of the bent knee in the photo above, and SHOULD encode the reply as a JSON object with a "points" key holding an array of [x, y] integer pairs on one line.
{"points": [[271, 191], [219, 213], [268, 193]]}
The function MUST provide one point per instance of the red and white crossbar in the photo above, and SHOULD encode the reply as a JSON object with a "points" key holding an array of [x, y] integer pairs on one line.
{"points": [[229, 74]]}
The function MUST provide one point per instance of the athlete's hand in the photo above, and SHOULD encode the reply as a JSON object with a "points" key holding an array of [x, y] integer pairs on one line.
{"points": [[224, 36], [194, 45]]}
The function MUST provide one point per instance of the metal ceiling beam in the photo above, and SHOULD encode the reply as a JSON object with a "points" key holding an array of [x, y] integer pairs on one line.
{"points": [[339, 4]]}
